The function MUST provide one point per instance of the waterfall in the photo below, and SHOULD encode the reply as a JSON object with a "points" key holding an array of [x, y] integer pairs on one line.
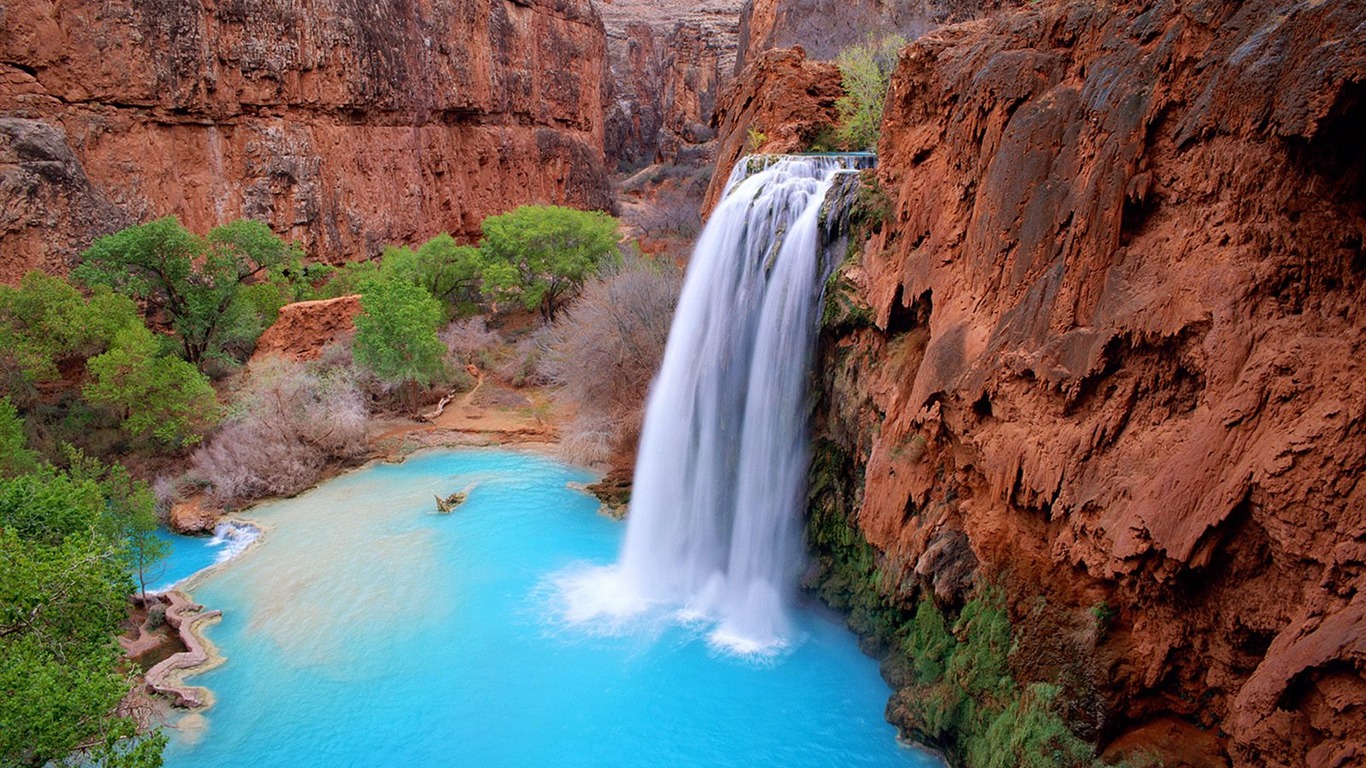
{"points": [[717, 505]]}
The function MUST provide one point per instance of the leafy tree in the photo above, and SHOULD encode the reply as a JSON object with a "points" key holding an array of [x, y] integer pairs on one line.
{"points": [[542, 254], [450, 272], [45, 320], [866, 72], [158, 398], [396, 332], [15, 457], [129, 514], [196, 282], [346, 280], [63, 582]]}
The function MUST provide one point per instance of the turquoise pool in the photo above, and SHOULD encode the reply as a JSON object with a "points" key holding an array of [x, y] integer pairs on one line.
{"points": [[366, 630]]}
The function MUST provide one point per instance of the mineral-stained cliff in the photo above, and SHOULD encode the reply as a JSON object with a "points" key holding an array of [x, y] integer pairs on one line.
{"points": [[1106, 349], [345, 125]]}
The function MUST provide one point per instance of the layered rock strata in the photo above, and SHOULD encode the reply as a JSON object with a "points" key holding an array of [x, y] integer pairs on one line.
{"points": [[1105, 349], [344, 125], [826, 27]]}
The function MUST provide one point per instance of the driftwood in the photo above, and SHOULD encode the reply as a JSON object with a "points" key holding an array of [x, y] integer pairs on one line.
{"points": [[440, 408], [447, 505]]}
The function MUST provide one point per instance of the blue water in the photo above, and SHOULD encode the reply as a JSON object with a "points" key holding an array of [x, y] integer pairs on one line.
{"points": [[188, 555], [365, 630]]}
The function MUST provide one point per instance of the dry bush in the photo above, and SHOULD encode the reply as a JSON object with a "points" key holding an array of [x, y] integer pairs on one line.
{"points": [[525, 366], [589, 439], [167, 492], [606, 349], [469, 342], [291, 420]]}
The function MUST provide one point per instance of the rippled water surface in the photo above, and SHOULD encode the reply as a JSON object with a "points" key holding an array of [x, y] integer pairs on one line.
{"points": [[364, 629]]}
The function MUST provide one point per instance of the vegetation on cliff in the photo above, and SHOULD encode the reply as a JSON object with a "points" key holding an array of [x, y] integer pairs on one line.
{"points": [[866, 74]]}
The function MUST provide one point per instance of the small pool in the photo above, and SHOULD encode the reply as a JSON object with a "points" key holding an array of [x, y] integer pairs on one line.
{"points": [[367, 630]]}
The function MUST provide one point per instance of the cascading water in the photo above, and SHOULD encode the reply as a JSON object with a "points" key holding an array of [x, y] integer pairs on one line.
{"points": [[715, 514]]}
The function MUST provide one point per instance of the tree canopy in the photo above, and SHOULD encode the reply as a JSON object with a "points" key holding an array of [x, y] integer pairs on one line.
{"points": [[196, 282], [396, 332], [64, 577], [44, 320], [542, 254], [159, 398]]}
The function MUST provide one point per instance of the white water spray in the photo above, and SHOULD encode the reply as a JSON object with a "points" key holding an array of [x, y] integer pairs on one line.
{"points": [[716, 509]]}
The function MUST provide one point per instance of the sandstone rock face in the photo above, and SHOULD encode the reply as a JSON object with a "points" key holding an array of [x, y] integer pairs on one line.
{"points": [[304, 328], [785, 97], [344, 125], [669, 62], [1115, 340]]}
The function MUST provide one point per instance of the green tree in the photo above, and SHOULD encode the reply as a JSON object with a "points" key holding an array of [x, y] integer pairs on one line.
{"points": [[196, 282], [15, 457], [450, 272], [542, 254], [396, 333], [158, 398], [129, 514], [866, 72], [44, 320], [63, 582]]}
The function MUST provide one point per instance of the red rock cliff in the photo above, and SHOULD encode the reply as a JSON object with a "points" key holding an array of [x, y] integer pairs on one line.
{"points": [[1115, 345], [346, 125]]}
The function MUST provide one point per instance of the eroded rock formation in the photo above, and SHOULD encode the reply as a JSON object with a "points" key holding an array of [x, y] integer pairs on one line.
{"points": [[305, 328], [1110, 356], [783, 101], [344, 125]]}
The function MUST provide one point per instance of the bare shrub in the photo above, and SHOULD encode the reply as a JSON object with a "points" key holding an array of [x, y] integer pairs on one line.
{"points": [[525, 366], [589, 438], [167, 492], [290, 421], [468, 341], [607, 347]]}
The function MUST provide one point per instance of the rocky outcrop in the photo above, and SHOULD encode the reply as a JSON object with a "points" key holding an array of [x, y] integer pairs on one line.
{"points": [[780, 104], [167, 678], [669, 62], [1106, 350], [303, 329], [345, 125]]}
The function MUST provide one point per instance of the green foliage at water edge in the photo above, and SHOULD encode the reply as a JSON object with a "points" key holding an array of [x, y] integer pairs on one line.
{"points": [[955, 686], [64, 578]]}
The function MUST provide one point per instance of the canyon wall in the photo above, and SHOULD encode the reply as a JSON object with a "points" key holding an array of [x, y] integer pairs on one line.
{"points": [[344, 125], [668, 64], [1104, 347]]}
